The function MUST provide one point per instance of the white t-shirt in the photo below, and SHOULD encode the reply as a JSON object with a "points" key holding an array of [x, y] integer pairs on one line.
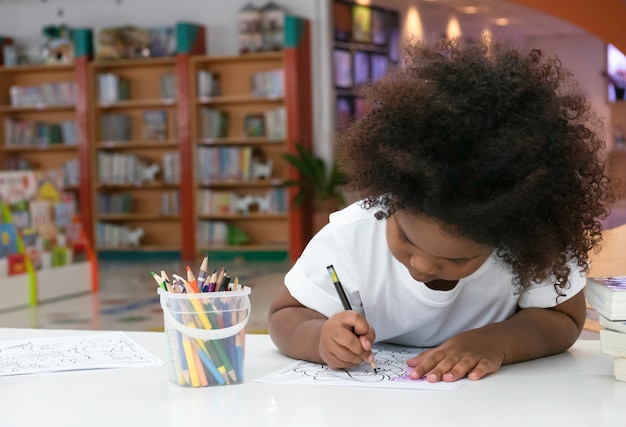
{"points": [[400, 309]]}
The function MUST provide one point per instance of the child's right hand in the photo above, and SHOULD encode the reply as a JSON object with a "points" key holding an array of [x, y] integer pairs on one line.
{"points": [[346, 340]]}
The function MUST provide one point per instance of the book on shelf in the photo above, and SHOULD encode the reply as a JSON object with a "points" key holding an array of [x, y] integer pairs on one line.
{"points": [[74, 231], [171, 167], [71, 173], [119, 168], [154, 125], [112, 88], [214, 123], [170, 203], [8, 239], [64, 212], [16, 264], [211, 233], [216, 164], [69, 132], [59, 256], [34, 255], [254, 125], [44, 95], [79, 251], [28, 133], [607, 295], [20, 214], [208, 84], [120, 203], [167, 86], [276, 123], [117, 127], [267, 83], [40, 213], [30, 237]]}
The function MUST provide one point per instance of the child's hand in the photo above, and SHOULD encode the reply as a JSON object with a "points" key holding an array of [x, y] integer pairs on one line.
{"points": [[346, 340], [473, 353]]}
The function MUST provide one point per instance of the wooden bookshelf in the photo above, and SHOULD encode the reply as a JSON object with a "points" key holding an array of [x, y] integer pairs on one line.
{"points": [[266, 230], [57, 102], [278, 228], [117, 156], [283, 231]]}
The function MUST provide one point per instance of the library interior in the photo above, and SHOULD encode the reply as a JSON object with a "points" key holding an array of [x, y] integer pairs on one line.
{"points": [[141, 136]]}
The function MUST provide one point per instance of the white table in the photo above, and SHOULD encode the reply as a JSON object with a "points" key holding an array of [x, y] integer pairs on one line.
{"points": [[576, 388]]}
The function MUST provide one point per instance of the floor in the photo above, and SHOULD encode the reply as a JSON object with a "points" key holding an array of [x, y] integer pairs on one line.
{"points": [[127, 299]]}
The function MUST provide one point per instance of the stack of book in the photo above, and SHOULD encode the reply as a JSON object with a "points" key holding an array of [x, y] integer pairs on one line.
{"points": [[607, 295]]}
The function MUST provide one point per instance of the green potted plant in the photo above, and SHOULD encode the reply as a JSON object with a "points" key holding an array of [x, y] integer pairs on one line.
{"points": [[317, 183]]}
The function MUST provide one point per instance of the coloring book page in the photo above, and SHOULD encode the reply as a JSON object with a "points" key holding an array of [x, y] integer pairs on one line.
{"points": [[96, 351], [391, 367]]}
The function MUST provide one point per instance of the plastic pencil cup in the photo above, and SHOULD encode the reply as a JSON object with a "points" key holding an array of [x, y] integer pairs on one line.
{"points": [[205, 335]]}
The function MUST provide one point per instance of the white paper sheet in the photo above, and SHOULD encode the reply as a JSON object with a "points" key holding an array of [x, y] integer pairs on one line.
{"points": [[74, 352], [392, 372]]}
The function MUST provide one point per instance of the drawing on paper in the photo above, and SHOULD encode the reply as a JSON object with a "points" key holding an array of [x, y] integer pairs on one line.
{"points": [[111, 350], [391, 367]]}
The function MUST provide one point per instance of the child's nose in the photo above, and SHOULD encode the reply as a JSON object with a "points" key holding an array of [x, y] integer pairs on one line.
{"points": [[424, 264]]}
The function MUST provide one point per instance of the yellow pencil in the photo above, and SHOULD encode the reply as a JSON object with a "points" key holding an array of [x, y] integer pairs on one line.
{"points": [[191, 363]]}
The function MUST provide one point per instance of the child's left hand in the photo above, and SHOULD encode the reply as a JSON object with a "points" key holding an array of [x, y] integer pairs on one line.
{"points": [[473, 353]]}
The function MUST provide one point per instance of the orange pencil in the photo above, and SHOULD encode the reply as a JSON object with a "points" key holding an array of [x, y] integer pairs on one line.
{"points": [[191, 279]]}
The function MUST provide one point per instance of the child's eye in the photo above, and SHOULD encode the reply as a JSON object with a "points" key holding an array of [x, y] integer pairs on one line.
{"points": [[460, 261], [402, 237]]}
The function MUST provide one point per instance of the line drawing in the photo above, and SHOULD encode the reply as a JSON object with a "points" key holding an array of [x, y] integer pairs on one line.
{"points": [[52, 354], [393, 372]]}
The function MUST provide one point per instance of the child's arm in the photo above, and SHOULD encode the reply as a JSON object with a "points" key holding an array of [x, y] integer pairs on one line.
{"points": [[529, 334], [345, 339]]}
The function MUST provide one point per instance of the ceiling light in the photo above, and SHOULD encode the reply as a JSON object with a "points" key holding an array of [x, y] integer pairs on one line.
{"points": [[501, 21]]}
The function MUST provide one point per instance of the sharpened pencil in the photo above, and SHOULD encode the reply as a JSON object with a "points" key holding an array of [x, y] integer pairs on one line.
{"points": [[344, 299]]}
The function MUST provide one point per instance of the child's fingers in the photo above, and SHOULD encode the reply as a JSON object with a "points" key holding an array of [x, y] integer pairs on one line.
{"points": [[345, 357], [454, 367], [340, 347]]}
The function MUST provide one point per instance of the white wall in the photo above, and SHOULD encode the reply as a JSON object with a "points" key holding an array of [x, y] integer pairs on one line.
{"points": [[585, 57], [23, 20]]}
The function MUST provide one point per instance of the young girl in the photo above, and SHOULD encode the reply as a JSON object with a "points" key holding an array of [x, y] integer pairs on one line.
{"points": [[483, 185]]}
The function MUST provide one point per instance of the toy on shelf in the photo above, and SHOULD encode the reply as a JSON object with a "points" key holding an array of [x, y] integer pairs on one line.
{"points": [[134, 236], [57, 46], [260, 170]]}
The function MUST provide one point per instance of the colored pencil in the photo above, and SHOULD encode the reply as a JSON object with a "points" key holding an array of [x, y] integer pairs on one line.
{"points": [[159, 280], [213, 281], [224, 283], [343, 298], [191, 279], [202, 275]]}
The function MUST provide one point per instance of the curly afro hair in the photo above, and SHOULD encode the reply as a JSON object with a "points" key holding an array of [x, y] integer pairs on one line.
{"points": [[494, 141]]}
